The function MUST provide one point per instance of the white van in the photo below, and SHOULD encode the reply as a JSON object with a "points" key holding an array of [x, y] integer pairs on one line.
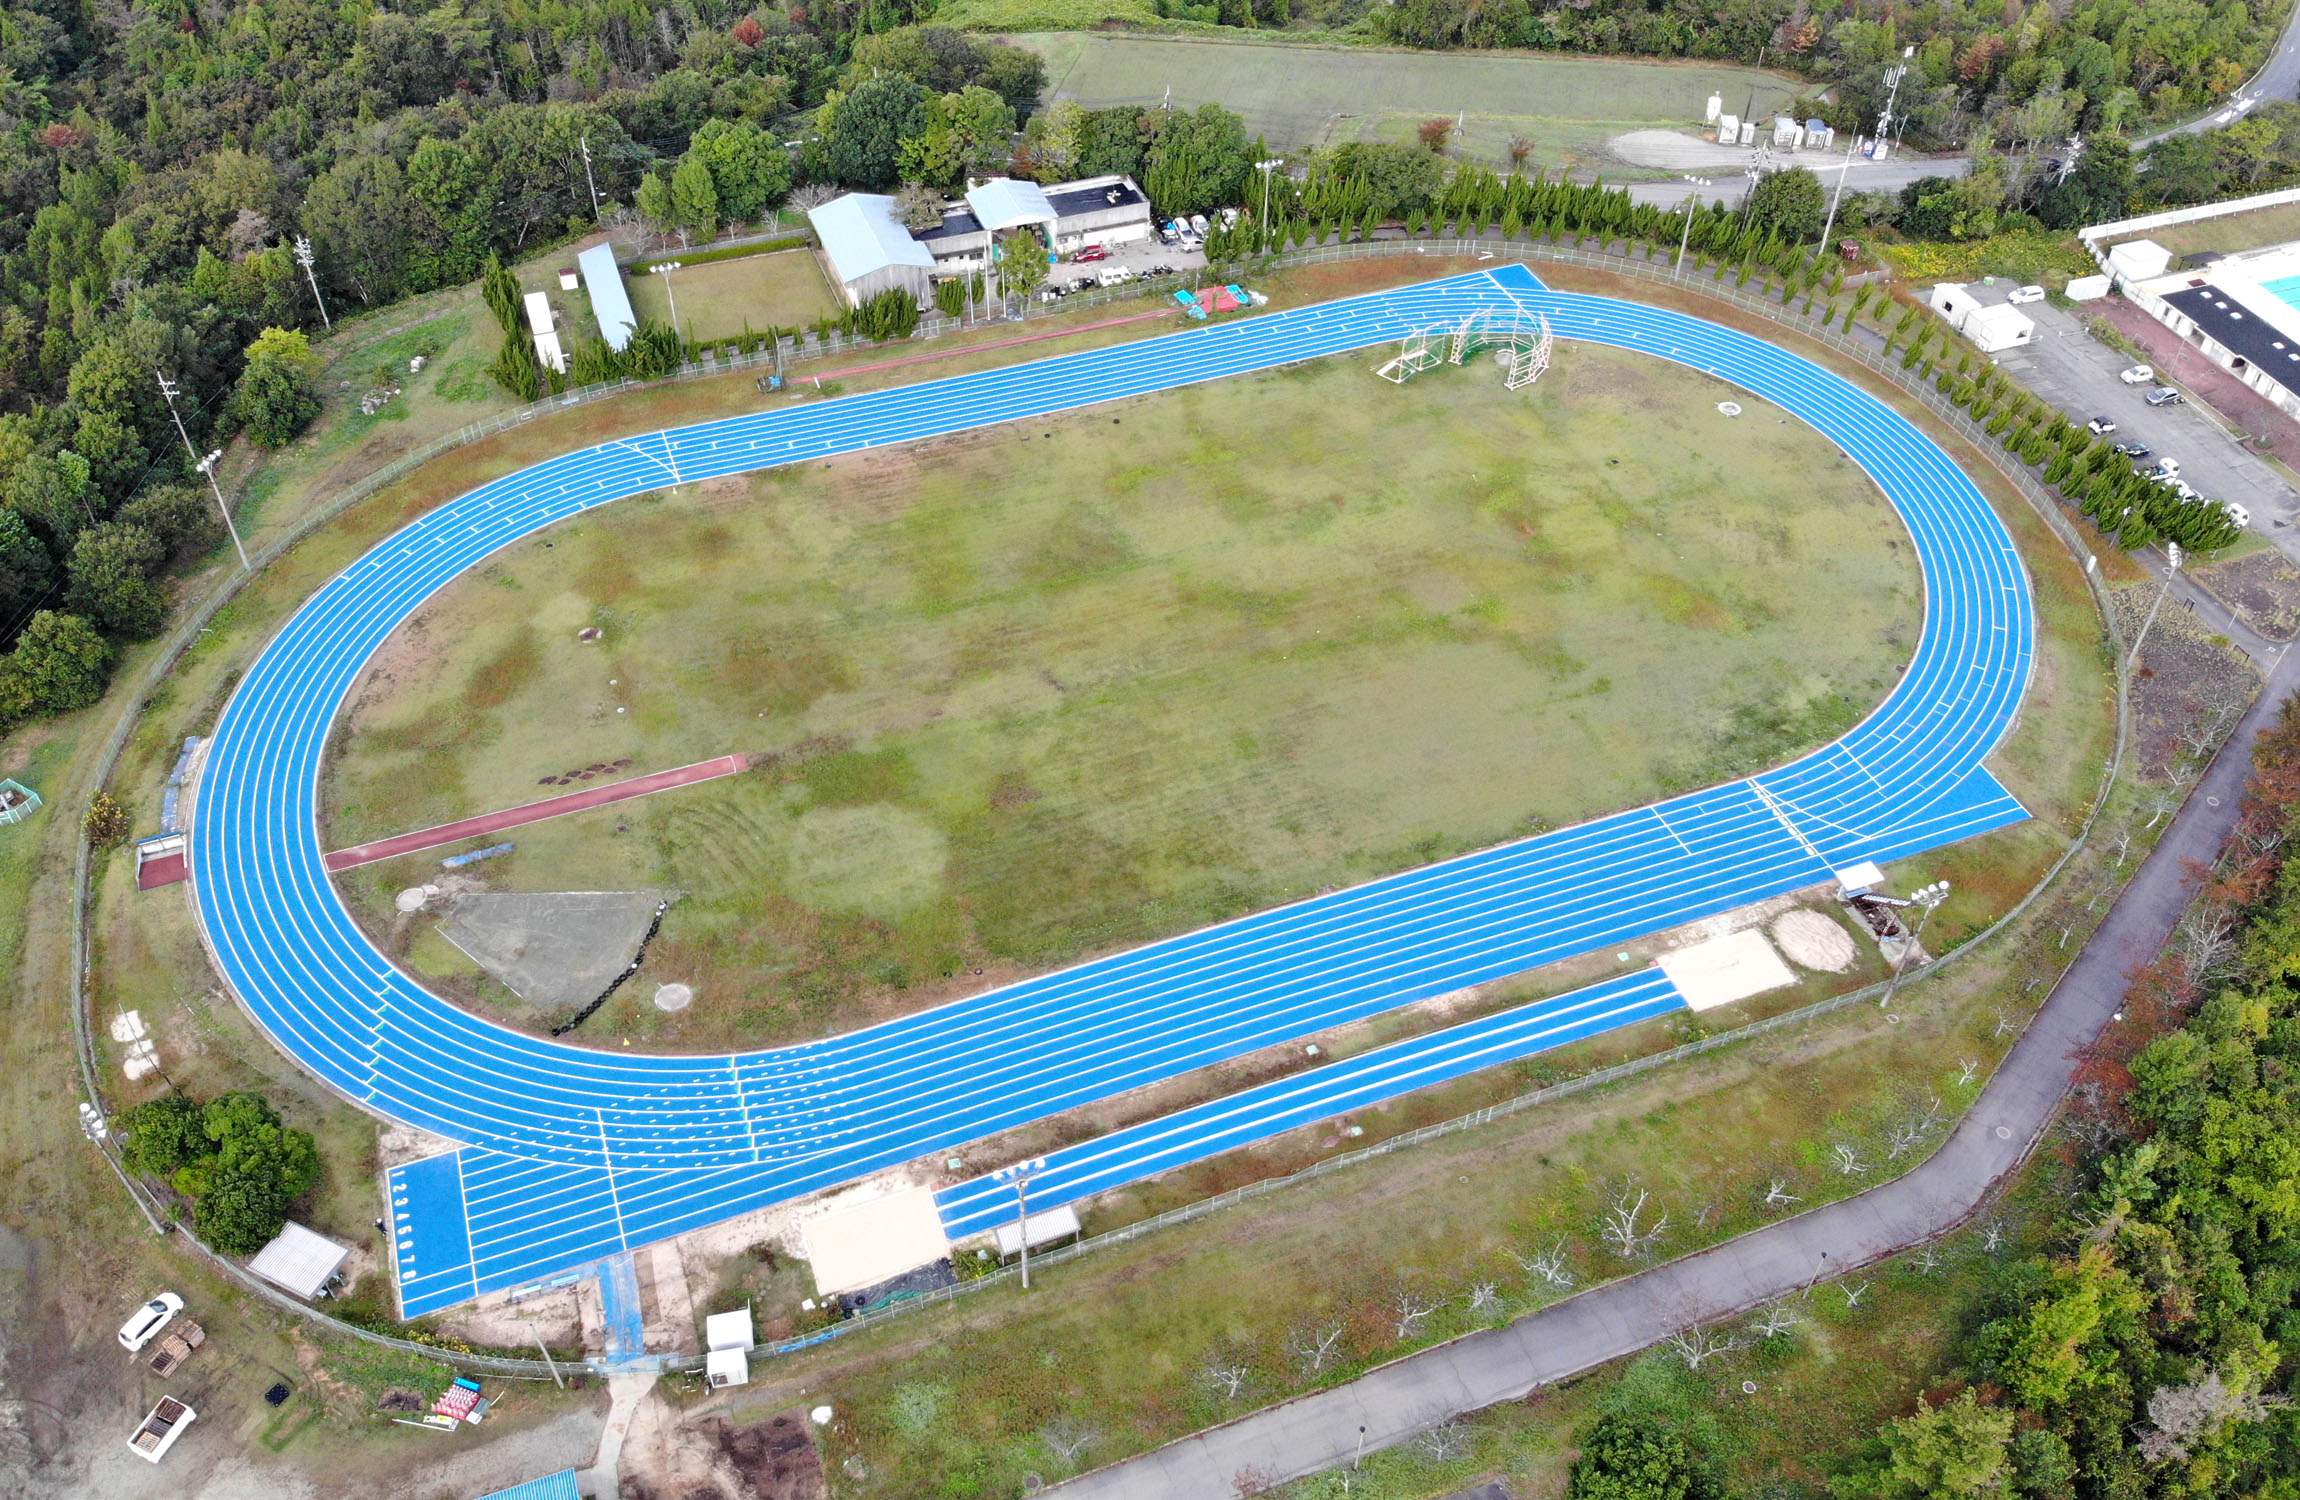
{"points": [[153, 1316]]}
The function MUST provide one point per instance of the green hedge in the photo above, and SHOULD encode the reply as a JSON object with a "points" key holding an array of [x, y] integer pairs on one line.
{"points": [[724, 252]]}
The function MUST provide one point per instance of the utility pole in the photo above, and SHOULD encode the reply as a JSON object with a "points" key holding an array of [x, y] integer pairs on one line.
{"points": [[207, 466], [1020, 1174], [1685, 235], [2171, 566], [1838, 197], [588, 180], [305, 259]]}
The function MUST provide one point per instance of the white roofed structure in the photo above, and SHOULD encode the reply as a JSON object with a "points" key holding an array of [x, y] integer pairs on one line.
{"points": [[300, 1260], [869, 250], [1005, 203], [610, 304], [729, 1336]]}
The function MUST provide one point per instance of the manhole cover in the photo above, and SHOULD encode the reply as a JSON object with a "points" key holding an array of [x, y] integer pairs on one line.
{"points": [[1730, 408], [2003, 1134], [674, 996], [277, 1395]]}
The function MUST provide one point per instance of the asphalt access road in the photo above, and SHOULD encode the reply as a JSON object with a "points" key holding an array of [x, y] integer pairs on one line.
{"points": [[1388, 1405]]}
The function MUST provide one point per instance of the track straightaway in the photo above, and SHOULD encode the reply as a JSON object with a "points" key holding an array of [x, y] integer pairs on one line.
{"points": [[573, 1153]]}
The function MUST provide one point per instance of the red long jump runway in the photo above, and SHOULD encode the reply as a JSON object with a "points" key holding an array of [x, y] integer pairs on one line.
{"points": [[536, 812]]}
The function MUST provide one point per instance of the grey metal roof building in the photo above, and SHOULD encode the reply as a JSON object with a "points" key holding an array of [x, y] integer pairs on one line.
{"points": [[1092, 211], [869, 250]]}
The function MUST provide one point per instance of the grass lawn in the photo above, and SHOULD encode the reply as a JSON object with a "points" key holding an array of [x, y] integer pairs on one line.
{"points": [[722, 298], [2256, 230], [1298, 96], [1038, 693]]}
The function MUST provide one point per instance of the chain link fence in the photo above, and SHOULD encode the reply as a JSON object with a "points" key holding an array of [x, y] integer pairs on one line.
{"points": [[1711, 285]]}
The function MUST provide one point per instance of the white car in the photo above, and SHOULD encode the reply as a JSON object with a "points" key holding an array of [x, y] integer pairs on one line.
{"points": [[2024, 294], [2237, 513], [2138, 375], [2101, 426], [153, 1316]]}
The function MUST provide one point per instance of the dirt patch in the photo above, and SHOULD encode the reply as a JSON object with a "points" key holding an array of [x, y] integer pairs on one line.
{"points": [[713, 1458], [1812, 941], [2263, 589]]}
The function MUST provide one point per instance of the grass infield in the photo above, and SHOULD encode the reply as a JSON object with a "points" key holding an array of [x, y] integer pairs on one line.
{"points": [[721, 299], [1045, 691], [1296, 96]]}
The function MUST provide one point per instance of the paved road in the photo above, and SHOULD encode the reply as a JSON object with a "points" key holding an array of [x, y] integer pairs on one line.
{"points": [[2077, 373], [2278, 79], [1392, 1403]]}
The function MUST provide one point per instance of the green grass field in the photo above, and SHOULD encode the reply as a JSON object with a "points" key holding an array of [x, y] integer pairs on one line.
{"points": [[1301, 96], [1042, 692], [720, 298]]}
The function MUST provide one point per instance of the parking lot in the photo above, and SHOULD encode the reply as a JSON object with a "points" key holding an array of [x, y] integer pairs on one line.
{"points": [[2070, 368], [1141, 257]]}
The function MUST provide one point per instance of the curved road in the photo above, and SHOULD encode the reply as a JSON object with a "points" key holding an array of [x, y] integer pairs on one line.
{"points": [[1393, 1403]]}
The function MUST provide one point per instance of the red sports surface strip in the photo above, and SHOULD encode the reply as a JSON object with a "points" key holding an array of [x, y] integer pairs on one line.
{"points": [[536, 812], [819, 376]]}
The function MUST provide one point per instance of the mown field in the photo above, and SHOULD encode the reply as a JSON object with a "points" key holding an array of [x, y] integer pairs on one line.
{"points": [[727, 298], [1046, 691], [1297, 96]]}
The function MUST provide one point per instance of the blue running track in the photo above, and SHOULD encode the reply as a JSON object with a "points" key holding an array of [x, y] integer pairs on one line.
{"points": [[571, 1155]]}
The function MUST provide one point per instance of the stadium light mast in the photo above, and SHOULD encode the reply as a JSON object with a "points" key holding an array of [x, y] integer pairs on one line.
{"points": [[306, 259], [207, 466], [1020, 1174], [664, 268], [1685, 235], [1925, 899], [1266, 168], [2171, 566]]}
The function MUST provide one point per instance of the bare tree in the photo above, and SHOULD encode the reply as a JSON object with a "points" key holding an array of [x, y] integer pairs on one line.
{"points": [[1910, 1132], [1624, 1229], [1225, 1377], [2177, 1413], [2203, 736], [1409, 1310], [1967, 1070], [1776, 1319], [1853, 1294], [1777, 1194], [1313, 1347], [2122, 844], [2005, 1025], [1848, 1160], [1446, 1442], [1697, 1346], [1484, 1299], [1993, 1236], [2207, 939], [1548, 1263], [1927, 1259], [1066, 1438]]}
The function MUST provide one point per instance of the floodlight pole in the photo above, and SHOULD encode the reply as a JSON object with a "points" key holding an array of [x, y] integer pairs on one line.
{"points": [[1265, 168], [207, 466], [1926, 899], [306, 259], [1020, 1174], [1685, 235], [2171, 566], [664, 268]]}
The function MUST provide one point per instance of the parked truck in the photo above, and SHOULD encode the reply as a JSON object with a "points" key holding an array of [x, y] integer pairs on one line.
{"points": [[161, 1429]]}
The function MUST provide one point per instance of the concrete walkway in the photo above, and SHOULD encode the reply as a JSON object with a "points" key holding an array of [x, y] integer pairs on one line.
{"points": [[1390, 1404]]}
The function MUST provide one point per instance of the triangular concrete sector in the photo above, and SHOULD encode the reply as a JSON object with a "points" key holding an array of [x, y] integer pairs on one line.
{"points": [[553, 949]]}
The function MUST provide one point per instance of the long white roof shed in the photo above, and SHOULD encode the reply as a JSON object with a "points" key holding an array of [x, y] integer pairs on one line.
{"points": [[868, 247], [610, 304]]}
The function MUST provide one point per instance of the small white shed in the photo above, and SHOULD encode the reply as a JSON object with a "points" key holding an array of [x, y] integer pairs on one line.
{"points": [[546, 336], [730, 1336], [300, 1259], [2001, 327], [2139, 260]]}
